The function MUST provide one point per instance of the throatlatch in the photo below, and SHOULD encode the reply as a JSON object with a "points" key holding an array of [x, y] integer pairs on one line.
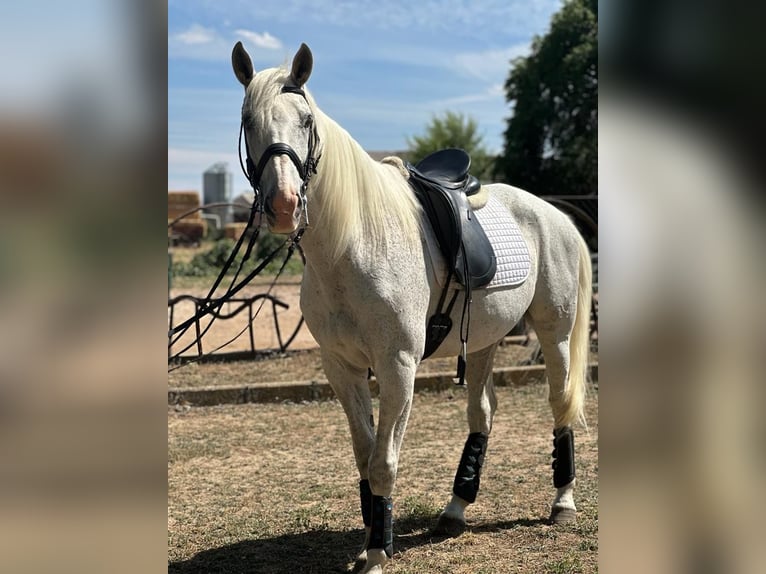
{"points": [[468, 473], [563, 456], [382, 533]]}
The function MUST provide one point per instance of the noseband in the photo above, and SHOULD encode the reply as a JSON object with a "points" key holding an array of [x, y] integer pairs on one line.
{"points": [[305, 169]]}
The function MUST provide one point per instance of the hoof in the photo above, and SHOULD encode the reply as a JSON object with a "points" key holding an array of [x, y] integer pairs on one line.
{"points": [[563, 515], [449, 526], [358, 564], [376, 561]]}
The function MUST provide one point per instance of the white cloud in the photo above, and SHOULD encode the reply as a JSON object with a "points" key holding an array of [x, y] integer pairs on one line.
{"points": [[265, 40], [196, 35], [490, 65], [476, 18], [209, 44], [493, 92], [198, 43]]}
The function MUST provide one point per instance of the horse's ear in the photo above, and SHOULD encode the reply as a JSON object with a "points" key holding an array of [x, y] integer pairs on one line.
{"points": [[242, 64], [303, 62]]}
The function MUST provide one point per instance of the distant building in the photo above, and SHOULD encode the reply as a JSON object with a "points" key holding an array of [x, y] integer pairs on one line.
{"points": [[243, 203], [216, 188]]}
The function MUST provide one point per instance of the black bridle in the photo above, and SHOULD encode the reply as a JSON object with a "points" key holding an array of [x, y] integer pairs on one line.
{"points": [[306, 169]]}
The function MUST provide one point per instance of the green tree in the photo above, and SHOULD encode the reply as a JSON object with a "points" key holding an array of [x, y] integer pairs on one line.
{"points": [[551, 139], [453, 130]]}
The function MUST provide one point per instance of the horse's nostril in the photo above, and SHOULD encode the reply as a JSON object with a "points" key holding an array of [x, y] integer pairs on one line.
{"points": [[267, 208], [283, 203]]}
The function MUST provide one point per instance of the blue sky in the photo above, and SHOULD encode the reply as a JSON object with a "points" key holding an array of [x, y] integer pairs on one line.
{"points": [[382, 69]]}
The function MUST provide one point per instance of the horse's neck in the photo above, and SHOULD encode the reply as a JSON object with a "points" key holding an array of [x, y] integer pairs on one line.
{"points": [[344, 159], [358, 207], [338, 195]]}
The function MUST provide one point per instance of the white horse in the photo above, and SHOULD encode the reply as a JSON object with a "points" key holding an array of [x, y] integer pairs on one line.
{"points": [[369, 288]]}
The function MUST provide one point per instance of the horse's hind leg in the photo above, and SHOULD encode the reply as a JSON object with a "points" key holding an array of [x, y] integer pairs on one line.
{"points": [[560, 314], [481, 409], [554, 337]]}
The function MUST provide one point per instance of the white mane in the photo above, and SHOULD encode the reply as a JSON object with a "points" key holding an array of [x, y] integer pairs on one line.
{"points": [[358, 196]]}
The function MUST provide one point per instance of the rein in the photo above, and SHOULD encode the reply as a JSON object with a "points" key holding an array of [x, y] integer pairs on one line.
{"points": [[210, 305]]}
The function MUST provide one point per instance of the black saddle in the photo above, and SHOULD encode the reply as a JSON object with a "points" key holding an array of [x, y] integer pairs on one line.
{"points": [[448, 168], [442, 184]]}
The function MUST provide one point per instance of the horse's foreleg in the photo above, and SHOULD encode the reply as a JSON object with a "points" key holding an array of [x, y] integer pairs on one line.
{"points": [[396, 378], [481, 409], [353, 391]]}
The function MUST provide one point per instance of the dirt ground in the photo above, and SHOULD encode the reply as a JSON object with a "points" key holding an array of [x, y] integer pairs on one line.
{"points": [[264, 330], [272, 488]]}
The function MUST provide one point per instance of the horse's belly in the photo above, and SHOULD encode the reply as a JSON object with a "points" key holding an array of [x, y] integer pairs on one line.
{"points": [[494, 313]]}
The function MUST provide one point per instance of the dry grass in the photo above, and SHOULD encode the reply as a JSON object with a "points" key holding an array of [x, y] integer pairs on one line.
{"points": [[272, 489]]}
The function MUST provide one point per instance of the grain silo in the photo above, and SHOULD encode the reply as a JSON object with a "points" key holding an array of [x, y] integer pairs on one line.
{"points": [[216, 188]]}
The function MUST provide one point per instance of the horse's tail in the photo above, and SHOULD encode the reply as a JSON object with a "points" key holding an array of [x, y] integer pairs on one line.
{"points": [[579, 344]]}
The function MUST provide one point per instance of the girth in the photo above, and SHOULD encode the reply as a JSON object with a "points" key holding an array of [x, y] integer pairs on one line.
{"points": [[441, 183]]}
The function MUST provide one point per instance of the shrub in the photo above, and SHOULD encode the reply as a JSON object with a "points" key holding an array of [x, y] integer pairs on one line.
{"points": [[209, 263]]}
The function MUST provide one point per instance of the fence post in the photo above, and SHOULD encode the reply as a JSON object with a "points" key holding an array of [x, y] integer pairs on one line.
{"points": [[170, 272]]}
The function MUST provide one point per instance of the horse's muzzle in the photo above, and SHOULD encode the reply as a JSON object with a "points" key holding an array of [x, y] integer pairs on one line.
{"points": [[283, 212]]}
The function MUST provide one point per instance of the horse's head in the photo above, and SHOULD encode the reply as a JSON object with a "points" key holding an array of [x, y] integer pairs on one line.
{"points": [[280, 135]]}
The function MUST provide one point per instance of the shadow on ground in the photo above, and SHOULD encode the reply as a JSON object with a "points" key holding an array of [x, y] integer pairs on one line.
{"points": [[311, 552], [319, 551]]}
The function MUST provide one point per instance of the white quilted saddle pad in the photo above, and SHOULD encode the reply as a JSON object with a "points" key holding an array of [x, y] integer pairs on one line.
{"points": [[511, 251]]}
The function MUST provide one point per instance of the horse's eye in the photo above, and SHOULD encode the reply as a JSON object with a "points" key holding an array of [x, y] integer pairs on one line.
{"points": [[308, 120]]}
